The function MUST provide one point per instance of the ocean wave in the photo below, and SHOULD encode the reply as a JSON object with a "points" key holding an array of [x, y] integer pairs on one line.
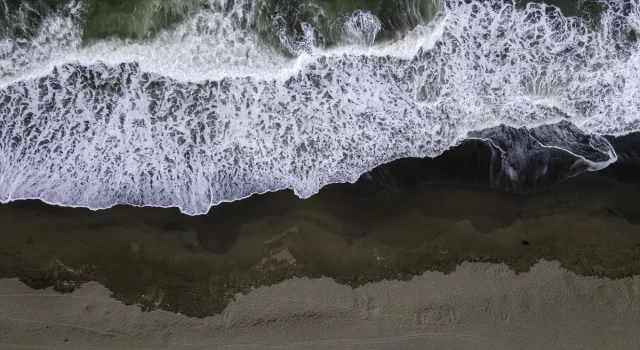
{"points": [[205, 113]]}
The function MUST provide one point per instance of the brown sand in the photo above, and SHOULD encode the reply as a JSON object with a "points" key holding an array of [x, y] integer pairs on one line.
{"points": [[159, 258], [187, 271], [479, 306]]}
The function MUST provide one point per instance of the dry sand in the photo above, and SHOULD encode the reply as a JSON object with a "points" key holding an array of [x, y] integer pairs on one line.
{"points": [[479, 306]]}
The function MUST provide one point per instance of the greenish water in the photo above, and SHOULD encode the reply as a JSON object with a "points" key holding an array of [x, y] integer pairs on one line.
{"points": [[135, 19], [590, 10], [396, 17], [19, 18], [126, 19], [143, 19]]}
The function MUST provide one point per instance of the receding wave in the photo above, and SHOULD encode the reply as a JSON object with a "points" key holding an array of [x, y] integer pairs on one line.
{"points": [[221, 105]]}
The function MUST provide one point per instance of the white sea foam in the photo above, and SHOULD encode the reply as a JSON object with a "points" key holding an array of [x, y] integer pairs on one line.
{"points": [[211, 44], [205, 114], [57, 36], [362, 27]]}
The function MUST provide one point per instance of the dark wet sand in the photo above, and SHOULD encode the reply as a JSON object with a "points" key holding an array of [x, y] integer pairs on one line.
{"points": [[353, 234]]}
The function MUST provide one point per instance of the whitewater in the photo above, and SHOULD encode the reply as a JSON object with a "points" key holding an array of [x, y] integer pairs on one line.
{"points": [[206, 111]]}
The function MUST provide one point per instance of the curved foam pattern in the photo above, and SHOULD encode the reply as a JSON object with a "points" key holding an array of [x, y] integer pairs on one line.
{"points": [[96, 134], [520, 160], [531, 160]]}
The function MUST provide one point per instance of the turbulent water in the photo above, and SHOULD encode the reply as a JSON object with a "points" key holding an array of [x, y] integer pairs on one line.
{"points": [[190, 103]]}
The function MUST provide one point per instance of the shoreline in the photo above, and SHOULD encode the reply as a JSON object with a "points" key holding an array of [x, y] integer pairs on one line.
{"points": [[480, 306], [501, 157], [160, 258]]}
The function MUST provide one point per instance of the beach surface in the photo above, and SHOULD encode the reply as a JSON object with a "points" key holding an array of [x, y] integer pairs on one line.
{"points": [[479, 306], [448, 265]]}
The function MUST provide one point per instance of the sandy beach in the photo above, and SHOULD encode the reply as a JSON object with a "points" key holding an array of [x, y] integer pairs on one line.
{"points": [[449, 265], [479, 306]]}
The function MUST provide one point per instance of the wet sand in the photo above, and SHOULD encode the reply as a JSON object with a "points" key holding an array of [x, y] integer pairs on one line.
{"points": [[526, 268], [354, 234]]}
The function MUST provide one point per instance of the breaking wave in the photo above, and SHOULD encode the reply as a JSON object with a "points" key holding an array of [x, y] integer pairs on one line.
{"points": [[222, 105]]}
